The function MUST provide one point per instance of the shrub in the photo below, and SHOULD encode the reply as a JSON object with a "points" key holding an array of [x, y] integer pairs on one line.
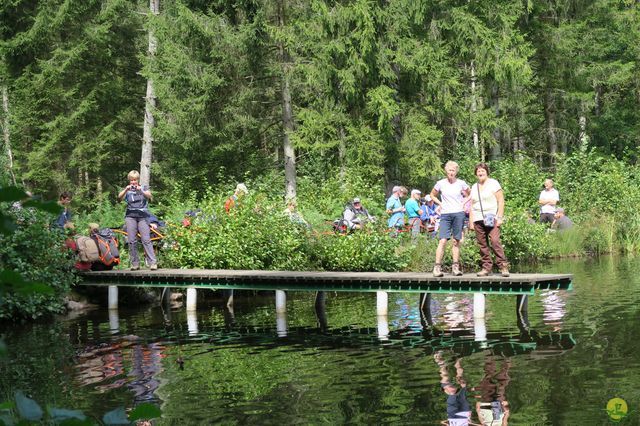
{"points": [[35, 252], [523, 240], [254, 235], [366, 250]]}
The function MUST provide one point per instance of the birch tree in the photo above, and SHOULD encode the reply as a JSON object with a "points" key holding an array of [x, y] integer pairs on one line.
{"points": [[149, 106]]}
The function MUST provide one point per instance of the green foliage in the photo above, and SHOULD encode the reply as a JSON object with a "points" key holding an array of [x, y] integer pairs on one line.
{"points": [[523, 240], [369, 250], [26, 410], [34, 253], [254, 235], [521, 181]]}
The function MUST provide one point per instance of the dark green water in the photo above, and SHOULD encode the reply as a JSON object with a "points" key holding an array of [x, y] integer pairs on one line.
{"points": [[579, 350]]}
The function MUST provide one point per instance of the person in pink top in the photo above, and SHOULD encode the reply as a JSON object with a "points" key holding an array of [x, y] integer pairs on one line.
{"points": [[451, 192]]}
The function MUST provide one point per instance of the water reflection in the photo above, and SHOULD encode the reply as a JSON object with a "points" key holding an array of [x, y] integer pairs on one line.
{"points": [[554, 308], [458, 407], [493, 407], [104, 367]]}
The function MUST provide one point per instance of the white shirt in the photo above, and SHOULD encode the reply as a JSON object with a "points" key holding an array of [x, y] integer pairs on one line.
{"points": [[451, 195], [489, 200], [548, 195]]}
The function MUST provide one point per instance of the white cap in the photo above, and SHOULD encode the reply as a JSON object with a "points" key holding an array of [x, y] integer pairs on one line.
{"points": [[428, 198], [415, 191]]}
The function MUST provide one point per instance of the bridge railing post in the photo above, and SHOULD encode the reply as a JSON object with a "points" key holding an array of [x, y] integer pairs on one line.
{"points": [[113, 297], [478, 305], [192, 297], [382, 303], [281, 301]]}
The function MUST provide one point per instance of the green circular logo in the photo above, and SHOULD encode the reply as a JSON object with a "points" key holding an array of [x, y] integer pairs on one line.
{"points": [[617, 409]]}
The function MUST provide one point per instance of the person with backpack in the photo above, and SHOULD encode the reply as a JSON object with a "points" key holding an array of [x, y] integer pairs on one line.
{"points": [[355, 215], [107, 244], [84, 250], [136, 220]]}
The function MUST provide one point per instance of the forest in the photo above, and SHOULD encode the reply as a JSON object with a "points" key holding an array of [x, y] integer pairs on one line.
{"points": [[208, 93]]}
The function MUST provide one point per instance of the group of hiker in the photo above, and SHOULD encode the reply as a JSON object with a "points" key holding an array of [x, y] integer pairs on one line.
{"points": [[450, 207], [450, 204]]}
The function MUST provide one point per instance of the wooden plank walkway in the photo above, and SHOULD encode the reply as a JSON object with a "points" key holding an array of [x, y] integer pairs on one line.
{"points": [[329, 281]]}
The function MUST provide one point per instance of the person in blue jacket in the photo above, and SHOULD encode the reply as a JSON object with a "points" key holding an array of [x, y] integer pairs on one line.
{"points": [[395, 208]]}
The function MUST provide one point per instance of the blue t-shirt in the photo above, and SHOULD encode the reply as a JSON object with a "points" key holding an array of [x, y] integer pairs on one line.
{"points": [[397, 218], [412, 207], [428, 211]]}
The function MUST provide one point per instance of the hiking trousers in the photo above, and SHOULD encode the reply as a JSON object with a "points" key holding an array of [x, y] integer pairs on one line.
{"points": [[489, 238], [134, 226]]}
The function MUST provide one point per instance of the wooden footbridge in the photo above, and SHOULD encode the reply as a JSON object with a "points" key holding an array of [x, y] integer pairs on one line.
{"points": [[330, 281], [520, 285]]}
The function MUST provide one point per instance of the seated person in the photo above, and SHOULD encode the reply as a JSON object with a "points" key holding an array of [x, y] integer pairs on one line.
{"points": [[355, 215], [430, 213], [294, 215], [240, 191], [560, 221]]}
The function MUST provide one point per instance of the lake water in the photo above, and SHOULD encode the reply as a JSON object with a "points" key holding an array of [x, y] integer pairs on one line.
{"points": [[577, 351]]}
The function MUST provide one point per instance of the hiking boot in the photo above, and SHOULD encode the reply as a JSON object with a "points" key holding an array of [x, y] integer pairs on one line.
{"points": [[153, 267], [135, 267], [483, 273], [437, 270], [455, 269], [504, 271]]}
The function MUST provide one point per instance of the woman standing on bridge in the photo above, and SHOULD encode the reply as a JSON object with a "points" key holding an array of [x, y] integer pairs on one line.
{"points": [[486, 217], [137, 220]]}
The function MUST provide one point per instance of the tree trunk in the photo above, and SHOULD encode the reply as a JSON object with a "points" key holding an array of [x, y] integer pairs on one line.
{"points": [[550, 117], [497, 134], [6, 133], [99, 188], [342, 157], [287, 114], [474, 108], [583, 137], [149, 108]]}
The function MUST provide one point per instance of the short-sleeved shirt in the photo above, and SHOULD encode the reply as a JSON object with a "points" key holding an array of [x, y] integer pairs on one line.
{"points": [[549, 195], [489, 200], [451, 195], [412, 207], [396, 219]]}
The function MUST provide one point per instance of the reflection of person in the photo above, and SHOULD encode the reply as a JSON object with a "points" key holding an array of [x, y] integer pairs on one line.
{"points": [[493, 408], [548, 199], [356, 215], [136, 220], [452, 192], [458, 408], [561, 222], [488, 199], [394, 207], [241, 190], [65, 215]]}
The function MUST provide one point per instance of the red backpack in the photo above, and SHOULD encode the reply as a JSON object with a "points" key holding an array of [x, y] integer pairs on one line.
{"points": [[107, 247]]}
